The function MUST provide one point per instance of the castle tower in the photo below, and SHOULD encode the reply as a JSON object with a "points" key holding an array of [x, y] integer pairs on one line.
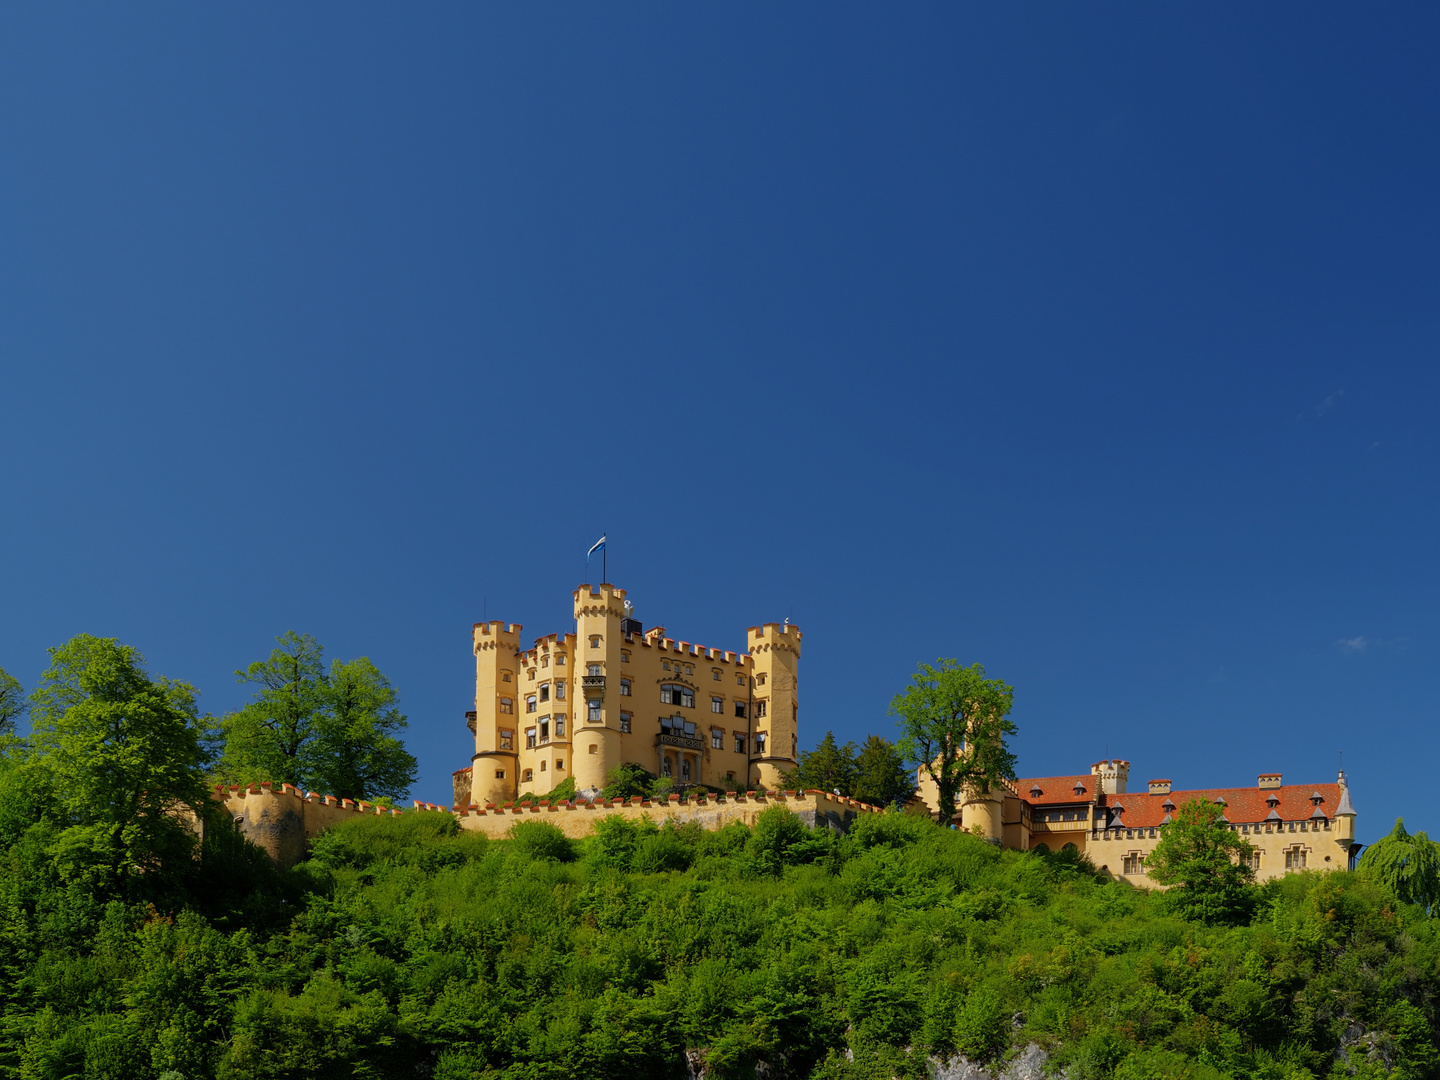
{"points": [[596, 744], [776, 651], [1111, 776], [495, 765]]}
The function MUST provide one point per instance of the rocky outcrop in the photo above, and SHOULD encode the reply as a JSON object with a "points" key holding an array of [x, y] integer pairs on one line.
{"points": [[1029, 1064]]}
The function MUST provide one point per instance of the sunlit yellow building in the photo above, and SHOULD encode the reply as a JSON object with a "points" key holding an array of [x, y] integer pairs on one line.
{"points": [[579, 704], [1291, 826]]}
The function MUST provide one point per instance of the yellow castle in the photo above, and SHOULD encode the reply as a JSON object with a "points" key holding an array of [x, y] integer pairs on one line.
{"points": [[580, 704]]}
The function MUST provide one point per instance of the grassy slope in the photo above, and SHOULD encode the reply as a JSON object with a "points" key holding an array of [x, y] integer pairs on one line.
{"points": [[405, 948]]}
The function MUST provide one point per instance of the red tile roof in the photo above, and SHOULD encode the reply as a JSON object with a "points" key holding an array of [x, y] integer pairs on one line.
{"points": [[1245, 805], [1056, 789]]}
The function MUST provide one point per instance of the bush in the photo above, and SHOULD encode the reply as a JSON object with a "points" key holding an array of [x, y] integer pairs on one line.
{"points": [[541, 840]]}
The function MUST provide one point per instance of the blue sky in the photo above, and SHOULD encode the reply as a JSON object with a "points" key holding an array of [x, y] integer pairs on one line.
{"points": [[1094, 344]]}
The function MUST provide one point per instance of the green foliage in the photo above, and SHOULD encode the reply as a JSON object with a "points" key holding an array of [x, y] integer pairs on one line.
{"points": [[628, 780], [1206, 866], [1408, 865], [881, 776], [335, 733], [541, 840], [829, 767], [953, 723], [563, 791], [12, 702], [123, 759]]}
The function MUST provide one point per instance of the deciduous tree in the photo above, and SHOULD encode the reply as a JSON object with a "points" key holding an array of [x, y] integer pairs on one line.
{"points": [[12, 702], [1206, 866], [127, 759], [953, 723], [334, 733], [1408, 865]]}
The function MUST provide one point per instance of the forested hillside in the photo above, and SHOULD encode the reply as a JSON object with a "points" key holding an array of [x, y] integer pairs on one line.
{"points": [[406, 948]]}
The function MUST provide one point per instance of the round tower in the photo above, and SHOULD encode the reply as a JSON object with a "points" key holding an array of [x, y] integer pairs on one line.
{"points": [[595, 745], [495, 771]]}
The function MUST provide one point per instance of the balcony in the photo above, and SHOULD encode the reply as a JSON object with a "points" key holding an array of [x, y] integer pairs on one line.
{"points": [[593, 682], [665, 739]]}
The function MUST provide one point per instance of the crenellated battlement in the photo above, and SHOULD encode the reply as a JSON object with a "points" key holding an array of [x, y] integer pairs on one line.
{"points": [[497, 634], [774, 637], [599, 601]]}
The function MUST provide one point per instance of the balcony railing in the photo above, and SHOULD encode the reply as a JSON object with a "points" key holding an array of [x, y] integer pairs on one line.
{"points": [[666, 739], [593, 682]]}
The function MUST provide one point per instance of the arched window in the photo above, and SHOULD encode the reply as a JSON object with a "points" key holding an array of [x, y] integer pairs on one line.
{"points": [[665, 766], [677, 695], [685, 769]]}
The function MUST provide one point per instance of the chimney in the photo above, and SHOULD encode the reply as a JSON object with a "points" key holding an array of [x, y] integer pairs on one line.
{"points": [[1159, 787], [1269, 780]]}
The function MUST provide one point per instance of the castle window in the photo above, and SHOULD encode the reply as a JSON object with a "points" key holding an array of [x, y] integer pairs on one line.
{"points": [[739, 744], [624, 656], [665, 766], [740, 709], [1295, 858], [530, 674], [689, 669], [730, 776], [760, 679], [545, 729], [593, 712], [530, 703], [530, 738], [504, 676], [717, 705], [685, 769], [499, 774], [559, 764], [739, 680], [560, 660], [528, 776], [625, 721], [559, 727], [544, 691], [559, 689], [717, 739], [759, 743], [677, 695], [594, 641], [760, 708], [595, 669], [507, 705], [665, 664], [624, 687], [542, 766], [1134, 863], [594, 749], [715, 674], [507, 740], [544, 661]]}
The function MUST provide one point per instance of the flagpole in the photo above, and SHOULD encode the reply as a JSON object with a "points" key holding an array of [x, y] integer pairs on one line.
{"points": [[605, 558]]}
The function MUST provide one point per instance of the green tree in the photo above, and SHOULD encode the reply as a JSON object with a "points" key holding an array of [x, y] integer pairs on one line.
{"points": [[355, 752], [127, 759], [881, 775], [1409, 866], [953, 724], [628, 779], [269, 738], [332, 733], [1206, 866], [12, 702], [829, 767]]}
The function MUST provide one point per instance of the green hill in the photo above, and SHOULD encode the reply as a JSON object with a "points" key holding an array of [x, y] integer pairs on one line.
{"points": [[403, 947]]}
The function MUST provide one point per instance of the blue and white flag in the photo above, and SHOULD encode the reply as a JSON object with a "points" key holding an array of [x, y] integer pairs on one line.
{"points": [[596, 547]]}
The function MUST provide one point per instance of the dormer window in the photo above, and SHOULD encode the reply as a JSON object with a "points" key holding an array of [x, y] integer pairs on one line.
{"points": [[1273, 800], [1079, 788], [1168, 806], [1035, 792]]}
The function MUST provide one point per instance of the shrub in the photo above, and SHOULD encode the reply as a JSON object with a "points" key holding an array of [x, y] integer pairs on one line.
{"points": [[541, 840]]}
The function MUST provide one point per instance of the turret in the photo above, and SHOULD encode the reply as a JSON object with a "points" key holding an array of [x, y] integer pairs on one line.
{"points": [[1344, 814], [775, 649], [599, 613], [1111, 776], [495, 766]]}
